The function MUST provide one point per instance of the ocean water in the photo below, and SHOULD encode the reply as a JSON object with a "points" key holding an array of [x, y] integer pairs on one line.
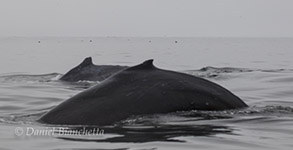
{"points": [[259, 70]]}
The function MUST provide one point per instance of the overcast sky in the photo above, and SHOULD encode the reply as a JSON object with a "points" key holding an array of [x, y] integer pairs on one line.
{"points": [[191, 18]]}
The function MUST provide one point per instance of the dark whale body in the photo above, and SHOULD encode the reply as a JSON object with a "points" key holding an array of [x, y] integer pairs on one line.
{"points": [[87, 71], [140, 90]]}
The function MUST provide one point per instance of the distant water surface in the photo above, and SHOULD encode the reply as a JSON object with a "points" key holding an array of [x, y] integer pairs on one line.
{"points": [[259, 70]]}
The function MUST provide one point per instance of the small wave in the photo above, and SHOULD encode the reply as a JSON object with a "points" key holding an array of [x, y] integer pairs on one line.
{"points": [[152, 133], [236, 70], [30, 78], [88, 82], [215, 72], [224, 69], [269, 110], [187, 117], [27, 119]]}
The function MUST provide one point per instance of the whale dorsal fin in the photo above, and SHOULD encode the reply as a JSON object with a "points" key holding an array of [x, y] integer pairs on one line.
{"points": [[148, 64], [86, 62]]}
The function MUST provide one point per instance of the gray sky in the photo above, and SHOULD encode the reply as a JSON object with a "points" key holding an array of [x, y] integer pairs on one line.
{"points": [[192, 18]]}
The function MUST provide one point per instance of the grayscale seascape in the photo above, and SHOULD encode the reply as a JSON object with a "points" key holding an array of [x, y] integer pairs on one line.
{"points": [[258, 70], [146, 75]]}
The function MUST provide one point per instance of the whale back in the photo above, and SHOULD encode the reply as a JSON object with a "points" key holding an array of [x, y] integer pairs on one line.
{"points": [[87, 71], [139, 90]]}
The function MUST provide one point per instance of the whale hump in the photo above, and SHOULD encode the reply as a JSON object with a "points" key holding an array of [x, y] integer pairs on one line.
{"points": [[148, 64], [145, 90], [88, 71], [86, 62]]}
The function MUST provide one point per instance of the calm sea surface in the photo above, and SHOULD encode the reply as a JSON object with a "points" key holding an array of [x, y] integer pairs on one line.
{"points": [[259, 70]]}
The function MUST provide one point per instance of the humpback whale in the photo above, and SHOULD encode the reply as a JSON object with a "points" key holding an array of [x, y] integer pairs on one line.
{"points": [[90, 72], [141, 90]]}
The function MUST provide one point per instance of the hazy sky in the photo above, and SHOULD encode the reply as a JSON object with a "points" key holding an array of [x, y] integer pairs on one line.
{"points": [[241, 18]]}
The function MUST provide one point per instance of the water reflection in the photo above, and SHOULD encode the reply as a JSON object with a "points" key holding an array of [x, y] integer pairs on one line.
{"points": [[163, 133]]}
